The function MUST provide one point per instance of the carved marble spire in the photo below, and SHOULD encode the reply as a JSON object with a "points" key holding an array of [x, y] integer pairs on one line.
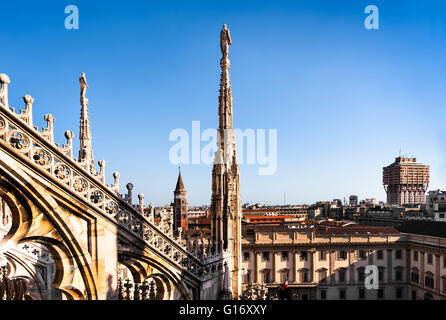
{"points": [[225, 129], [85, 151], [225, 210]]}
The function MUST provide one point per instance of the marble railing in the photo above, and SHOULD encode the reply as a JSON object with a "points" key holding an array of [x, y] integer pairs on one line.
{"points": [[38, 149]]}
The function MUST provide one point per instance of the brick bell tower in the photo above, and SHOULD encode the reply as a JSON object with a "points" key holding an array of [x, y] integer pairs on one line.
{"points": [[180, 206]]}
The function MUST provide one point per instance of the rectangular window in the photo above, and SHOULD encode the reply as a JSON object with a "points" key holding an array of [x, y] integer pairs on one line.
{"points": [[415, 255], [342, 294], [444, 262], [362, 254], [246, 255], [379, 254], [361, 275], [399, 275], [429, 258], [248, 276], [266, 256], [341, 275], [380, 293], [266, 276], [429, 282], [303, 256], [284, 255], [342, 255], [323, 294], [381, 274], [414, 277], [322, 255], [323, 276], [361, 294], [304, 276], [398, 254], [284, 276], [414, 295], [399, 293]]}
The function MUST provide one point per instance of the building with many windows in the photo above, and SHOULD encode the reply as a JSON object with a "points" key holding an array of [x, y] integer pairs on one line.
{"points": [[405, 181], [329, 261]]}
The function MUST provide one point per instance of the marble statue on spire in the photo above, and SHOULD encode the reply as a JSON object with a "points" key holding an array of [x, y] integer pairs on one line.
{"points": [[225, 41], [84, 86]]}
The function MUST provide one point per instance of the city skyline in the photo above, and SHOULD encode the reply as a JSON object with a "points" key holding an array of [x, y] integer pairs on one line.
{"points": [[343, 108]]}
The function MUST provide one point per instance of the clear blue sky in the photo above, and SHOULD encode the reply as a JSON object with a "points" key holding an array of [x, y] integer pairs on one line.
{"points": [[343, 99]]}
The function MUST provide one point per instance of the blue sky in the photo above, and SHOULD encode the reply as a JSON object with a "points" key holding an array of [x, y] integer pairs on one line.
{"points": [[344, 99]]}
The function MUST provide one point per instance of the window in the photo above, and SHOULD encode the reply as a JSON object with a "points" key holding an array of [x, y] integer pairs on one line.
{"points": [[441, 215], [415, 255], [266, 278], [342, 294], [398, 274], [323, 294], [398, 254], [342, 273], [381, 273], [444, 284], [247, 276], [303, 275], [323, 255], [444, 262], [361, 294], [399, 293], [266, 256], [342, 255], [303, 256], [429, 258], [284, 275], [362, 254], [361, 276], [429, 281], [414, 295], [284, 255], [380, 293], [379, 254], [322, 275], [414, 277], [246, 255]]}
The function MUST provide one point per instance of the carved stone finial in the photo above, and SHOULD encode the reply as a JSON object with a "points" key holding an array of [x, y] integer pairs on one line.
{"points": [[48, 131], [101, 163], [68, 148], [29, 100], [128, 197], [115, 185], [27, 114], [4, 81], [141, 203], [69, 135]]}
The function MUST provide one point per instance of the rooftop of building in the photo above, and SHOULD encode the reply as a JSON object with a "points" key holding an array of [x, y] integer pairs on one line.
{"points": [[325, 227], [426, 228], [402, 161]]}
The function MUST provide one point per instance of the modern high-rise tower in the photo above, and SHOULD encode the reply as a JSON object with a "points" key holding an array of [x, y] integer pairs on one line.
{"points": [[405, 181], [226, 207]]}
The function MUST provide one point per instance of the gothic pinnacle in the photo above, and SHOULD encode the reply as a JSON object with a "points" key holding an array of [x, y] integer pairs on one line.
{"points": [[85, 151]]}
